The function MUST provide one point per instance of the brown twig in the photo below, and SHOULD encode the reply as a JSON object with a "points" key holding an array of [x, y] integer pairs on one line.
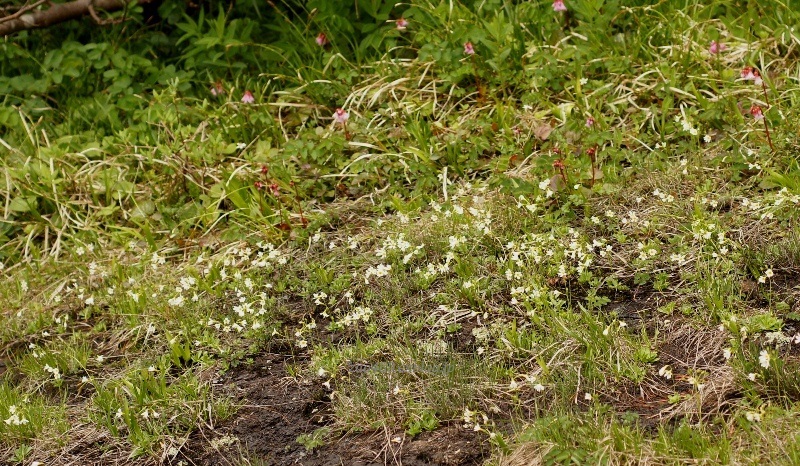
{"points": [[22, 10], [59, 13]]}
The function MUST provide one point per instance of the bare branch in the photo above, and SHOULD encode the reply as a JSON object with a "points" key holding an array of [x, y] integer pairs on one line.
{"points": [[22, 10], [25, 18]]}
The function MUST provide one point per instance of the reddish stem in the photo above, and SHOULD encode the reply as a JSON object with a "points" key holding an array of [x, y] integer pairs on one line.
{"points": [[769, 139], [764, 87]]}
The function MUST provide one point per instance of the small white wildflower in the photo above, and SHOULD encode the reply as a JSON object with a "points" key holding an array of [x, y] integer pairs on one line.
{"points": [[764, 358], [177, 301], [752, 416]]}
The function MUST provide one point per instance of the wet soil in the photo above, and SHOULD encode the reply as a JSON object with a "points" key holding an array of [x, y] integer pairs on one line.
{"points": [[277, 408]]}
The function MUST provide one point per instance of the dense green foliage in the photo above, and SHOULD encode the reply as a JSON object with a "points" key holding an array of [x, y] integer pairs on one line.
{"points": [[114, 129]]}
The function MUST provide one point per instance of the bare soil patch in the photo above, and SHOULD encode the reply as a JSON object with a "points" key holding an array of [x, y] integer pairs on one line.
{"points": [[277, 408]]}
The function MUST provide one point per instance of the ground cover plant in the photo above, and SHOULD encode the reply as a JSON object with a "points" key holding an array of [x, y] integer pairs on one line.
{"points": [[496, 232]]}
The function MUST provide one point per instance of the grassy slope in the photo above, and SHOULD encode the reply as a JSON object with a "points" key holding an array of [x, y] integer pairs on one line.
{"points": [[643, 314]]}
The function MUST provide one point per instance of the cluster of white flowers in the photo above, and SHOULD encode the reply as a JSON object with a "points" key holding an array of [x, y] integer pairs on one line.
{"points": [[663, 197], [398, 244], [473, 419], [359, 313], [767, 274], [566, 254], [15, 418], [248, 314], [380, 270], [54, 371], [147, 414], [686, 125]]}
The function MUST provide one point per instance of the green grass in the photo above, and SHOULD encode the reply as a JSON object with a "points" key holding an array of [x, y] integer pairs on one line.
{"points": [[468, 251]]}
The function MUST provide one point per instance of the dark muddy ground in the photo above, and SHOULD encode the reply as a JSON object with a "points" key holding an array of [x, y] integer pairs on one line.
{"points": [[276, 409]]}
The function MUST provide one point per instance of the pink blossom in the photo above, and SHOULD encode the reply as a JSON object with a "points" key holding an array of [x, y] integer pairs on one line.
{"points": [[757, 113], [589, 122], [248, 98], [217, 89], [757, 78], [341, 116], [322, 39], [402, 24], [468, 48], [558, 5], [716, 47], [747, 73]]}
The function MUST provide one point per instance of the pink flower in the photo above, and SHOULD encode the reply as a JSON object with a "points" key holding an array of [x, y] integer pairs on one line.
{"points": [[322, 39], [217, 89], [589, 122], [558, 5], [468, 48], [757, 78], [248, 98], [747, 73], [402, 24], [757, 113], [716, 47], [340, 116]]}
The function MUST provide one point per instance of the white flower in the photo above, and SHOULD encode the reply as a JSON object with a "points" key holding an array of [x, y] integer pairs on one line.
{"points": [[177, 301], [764, 358], [665, 372], [726, 353], [753, 417], [538, 387]]}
